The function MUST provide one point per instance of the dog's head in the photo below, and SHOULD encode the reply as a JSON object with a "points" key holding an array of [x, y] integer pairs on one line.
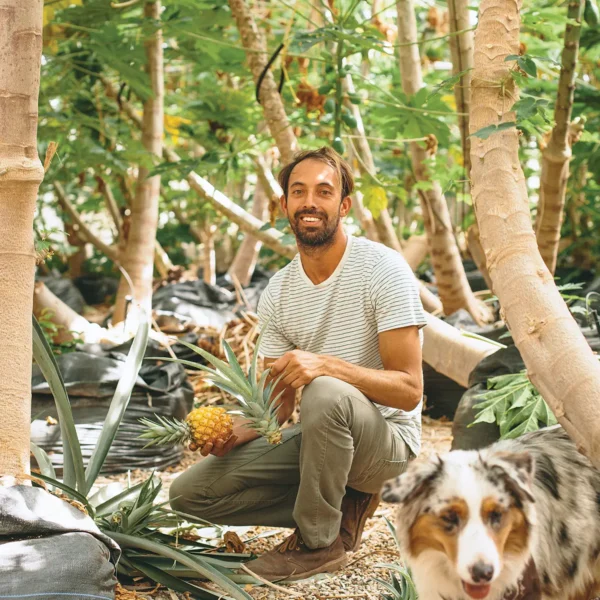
{"points": [[472, 511]]}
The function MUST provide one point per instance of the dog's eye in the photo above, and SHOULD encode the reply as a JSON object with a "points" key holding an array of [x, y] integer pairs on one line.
{"points": [[495, 518], [450, 520]]}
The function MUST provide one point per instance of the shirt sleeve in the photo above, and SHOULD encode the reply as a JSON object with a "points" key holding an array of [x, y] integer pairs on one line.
{"points": [[395, 295], [273, 343]]}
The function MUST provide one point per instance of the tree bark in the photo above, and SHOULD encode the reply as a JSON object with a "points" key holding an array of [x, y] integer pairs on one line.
{"points": [[383, 222], [254, 42], [415, 250], [461, 50], [451, 353], [559, 361], [138, 258], [451, 279], [84, 230], [21, 173], [477, 253], [245, 258], [557, 154]]}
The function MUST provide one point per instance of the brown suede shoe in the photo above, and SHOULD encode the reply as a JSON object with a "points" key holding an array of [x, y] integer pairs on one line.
{"points": [[357, 507], [293, 560]]}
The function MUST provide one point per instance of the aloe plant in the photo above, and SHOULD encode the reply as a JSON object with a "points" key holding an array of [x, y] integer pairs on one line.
{"points": [[132, 517]]}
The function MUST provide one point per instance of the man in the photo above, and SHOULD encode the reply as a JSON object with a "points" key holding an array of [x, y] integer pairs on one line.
{"points": [[343, 321]]}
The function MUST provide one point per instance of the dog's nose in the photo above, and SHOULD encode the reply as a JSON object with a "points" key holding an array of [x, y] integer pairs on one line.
{"points": [[481, 572]]}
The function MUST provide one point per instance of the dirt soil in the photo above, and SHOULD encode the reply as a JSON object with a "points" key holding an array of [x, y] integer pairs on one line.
{"points": [[355, 581]]}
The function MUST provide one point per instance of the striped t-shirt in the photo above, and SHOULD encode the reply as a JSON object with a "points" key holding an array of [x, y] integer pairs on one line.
{"points": [[372, 290]]}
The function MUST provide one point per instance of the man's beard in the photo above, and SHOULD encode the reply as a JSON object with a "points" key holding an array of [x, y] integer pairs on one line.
{"points": [[319, 236]]}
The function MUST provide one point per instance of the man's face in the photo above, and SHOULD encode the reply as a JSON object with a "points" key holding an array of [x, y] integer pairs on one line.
{"points": [[314, 204]]}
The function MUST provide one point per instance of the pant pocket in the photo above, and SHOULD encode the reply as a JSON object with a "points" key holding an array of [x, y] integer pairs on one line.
{"points": [[382, 471]]}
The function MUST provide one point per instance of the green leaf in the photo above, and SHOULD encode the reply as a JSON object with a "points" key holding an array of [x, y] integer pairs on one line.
{"points": [[69, 491], [112, 504], [193, 562], [485, 132], [73, 471], [170, 581], [43, 460], [119, 402]]}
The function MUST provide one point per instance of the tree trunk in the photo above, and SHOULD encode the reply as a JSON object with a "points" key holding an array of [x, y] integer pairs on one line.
{"points": [[245, 258], [477, 253], [76, 259], [559, 361], [21, 173], [270, 99], [209, 273], [64, 317], [451, 353], [449, 272], [383, 222], [461, 50], [138, 259], [415, 250], [557, 154], [83, 229]]}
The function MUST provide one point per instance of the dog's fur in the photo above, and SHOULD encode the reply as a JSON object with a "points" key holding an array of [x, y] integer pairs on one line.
{"points": [[534, 498]]}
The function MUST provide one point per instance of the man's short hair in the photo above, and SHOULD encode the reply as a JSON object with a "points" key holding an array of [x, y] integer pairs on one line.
{"points": [[325, 155]]}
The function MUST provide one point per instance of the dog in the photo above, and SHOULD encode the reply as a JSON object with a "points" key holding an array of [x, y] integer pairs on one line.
{"points": [[471, 524]]}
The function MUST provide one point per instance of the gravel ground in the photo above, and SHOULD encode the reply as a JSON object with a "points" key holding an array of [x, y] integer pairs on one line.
{"points": [[355, 581]]}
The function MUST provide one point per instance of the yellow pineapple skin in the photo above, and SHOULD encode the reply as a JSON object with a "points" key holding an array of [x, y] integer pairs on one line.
{"points": [[208, 424]]}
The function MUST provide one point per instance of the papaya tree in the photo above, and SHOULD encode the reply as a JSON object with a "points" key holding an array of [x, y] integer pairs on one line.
{"points": [[559, 361], [21, 173]]}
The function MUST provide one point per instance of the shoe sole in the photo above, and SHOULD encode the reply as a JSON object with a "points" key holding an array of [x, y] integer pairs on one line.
{"points": [[330, 567], [369, 512]]}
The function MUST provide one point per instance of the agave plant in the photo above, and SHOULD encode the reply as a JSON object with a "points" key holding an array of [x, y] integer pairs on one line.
{"points": [[132, 517]]}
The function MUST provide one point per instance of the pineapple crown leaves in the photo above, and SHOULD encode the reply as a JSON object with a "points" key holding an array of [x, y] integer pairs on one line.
{"points": [[155, 433]]}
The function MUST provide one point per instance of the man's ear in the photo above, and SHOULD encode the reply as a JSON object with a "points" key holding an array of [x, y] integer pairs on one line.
{"points": [[345, 206], [283, 204]]}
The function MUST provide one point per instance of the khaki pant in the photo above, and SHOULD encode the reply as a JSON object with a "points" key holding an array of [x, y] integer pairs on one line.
{"points": [[342, 440]]}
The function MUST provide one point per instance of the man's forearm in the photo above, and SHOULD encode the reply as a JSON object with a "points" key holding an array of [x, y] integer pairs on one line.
{"points": [[397, 389]]}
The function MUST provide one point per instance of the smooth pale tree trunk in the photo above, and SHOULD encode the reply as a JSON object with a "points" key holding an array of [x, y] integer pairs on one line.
{"points": [[21, 173], [477, 253], [245, 258], [209, 271], [451, 353], [76, 259], [557, 154], [255, 44], [138, 258], [68, 321], [451, 279], [461, 50], [415, 250], [559, 361]]}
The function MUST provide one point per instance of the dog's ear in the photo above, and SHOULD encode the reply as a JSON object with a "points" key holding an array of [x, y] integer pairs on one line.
{"points": [[414, 482], [517, 470]]}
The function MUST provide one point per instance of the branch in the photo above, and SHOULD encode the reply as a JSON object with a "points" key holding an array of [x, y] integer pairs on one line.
{"points": [[111, 204], [83, 228]]}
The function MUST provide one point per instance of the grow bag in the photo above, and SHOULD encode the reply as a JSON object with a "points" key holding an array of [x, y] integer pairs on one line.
{"points": [[51, 550], [91, 375]]}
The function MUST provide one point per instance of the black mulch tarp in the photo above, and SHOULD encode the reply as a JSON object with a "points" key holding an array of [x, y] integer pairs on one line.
{"points": [[503, 362], [51, 550], [91, 375], [207, 305]]}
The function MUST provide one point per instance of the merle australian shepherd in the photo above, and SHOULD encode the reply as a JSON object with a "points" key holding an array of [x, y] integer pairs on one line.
{"points": [[472, 523]]}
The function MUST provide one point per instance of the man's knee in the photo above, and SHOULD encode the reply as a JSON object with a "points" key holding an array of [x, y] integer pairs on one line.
{"points": [[326, 396], [187, 498]]}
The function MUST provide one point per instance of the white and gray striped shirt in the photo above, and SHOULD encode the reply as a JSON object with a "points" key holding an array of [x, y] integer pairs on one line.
{"points": [[372, 290]]}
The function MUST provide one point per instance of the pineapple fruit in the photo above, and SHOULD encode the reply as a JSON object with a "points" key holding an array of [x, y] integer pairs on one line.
{"points": [[208, 424], [201, 426]]}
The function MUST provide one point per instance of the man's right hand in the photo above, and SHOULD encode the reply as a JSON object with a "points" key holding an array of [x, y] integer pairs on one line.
{"points": [[219, 448]]}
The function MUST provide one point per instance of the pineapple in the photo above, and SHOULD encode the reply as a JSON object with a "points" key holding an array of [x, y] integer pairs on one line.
{"points": [[201, 426], [208, 424]]}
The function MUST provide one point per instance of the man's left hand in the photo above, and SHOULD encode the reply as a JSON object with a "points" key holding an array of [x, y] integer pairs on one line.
{"points": [[298, 368]]}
